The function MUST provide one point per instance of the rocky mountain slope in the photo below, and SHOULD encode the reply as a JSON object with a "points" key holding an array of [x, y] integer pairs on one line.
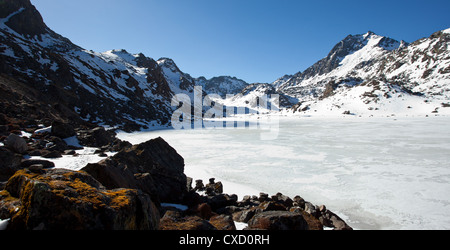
{"points": [[375, 75], [113, 88]]}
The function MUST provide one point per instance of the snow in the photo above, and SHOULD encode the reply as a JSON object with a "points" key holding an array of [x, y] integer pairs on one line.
{"points": [[43, 130], [76, 163], [378, 173], [240, 225], [3, 224], [447, 31]]}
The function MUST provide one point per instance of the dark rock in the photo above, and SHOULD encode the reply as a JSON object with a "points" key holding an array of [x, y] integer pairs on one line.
{"points": [[44, 163], [330, 219], [299, 201], [97, 137], [278, 220], [271, 206], [263, 197], [221, 200], [199, 185], [313, 222], [36, 168], [62, 130], [66, 200], [213, 187], [57, 144], [16, 144], [9, 163], [244, 216], [52, 155], [164, 166]]}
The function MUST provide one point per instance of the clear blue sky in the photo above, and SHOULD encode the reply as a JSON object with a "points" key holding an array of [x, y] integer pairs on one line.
{"points": [[255, 40]]}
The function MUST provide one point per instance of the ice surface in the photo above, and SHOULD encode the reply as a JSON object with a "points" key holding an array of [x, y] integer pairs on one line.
{"points": [[377, 173]]}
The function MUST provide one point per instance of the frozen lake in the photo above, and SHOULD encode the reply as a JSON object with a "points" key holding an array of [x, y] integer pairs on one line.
{"points": [[376, 173]]}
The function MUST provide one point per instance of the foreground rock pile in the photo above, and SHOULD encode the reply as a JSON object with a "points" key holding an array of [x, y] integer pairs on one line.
{"points": [[141, 187], [277, 212]]}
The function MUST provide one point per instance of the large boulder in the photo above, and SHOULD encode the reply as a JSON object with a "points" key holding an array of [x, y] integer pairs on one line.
{"points": [[10, 162], [97, 137], [153, 167], [16, 144], [62, 130], [60, 199]]}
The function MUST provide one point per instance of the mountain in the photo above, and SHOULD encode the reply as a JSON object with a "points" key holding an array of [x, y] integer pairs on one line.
{"points": [[112, 88], [44, 76], [370, 73], [350, 53], [222, 85]]}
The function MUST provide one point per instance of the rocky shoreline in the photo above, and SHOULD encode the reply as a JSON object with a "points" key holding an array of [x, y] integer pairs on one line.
{"points": [[140, 187]]}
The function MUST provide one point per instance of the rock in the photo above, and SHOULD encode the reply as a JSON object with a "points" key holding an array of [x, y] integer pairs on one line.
{"points": [[214, 188], [173, 220], [62, 130], [310, 209], [313, 222], [16, 144], [299, 201], [221, 200], [97, 137], [163, 166], [199, 185], [223, 222], [329, 219], [52, 155], [57, 144], [44, 163], [203, 211], [244, 216], [278, 220], [9, 163], [271, 206], [36, 168], [263, 197], [283, 199], [67, 200]]}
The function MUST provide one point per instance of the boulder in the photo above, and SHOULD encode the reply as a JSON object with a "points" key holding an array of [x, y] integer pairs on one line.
{"points": [[277, 221], [66, 200], [16, 144], [97, 137], [9, 163], [330, 219], [153, 167], [214, 187], [62, 130], [45, 164], [223, 222]]}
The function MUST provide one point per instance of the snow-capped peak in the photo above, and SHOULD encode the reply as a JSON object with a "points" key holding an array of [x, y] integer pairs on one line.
{"points": [[447, 31]]}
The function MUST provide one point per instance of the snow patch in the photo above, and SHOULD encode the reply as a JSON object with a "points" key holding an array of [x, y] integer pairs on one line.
{"points": [[4, 224]]}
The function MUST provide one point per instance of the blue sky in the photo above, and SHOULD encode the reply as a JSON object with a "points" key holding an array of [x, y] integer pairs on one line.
{"points": [[254, 40]]}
